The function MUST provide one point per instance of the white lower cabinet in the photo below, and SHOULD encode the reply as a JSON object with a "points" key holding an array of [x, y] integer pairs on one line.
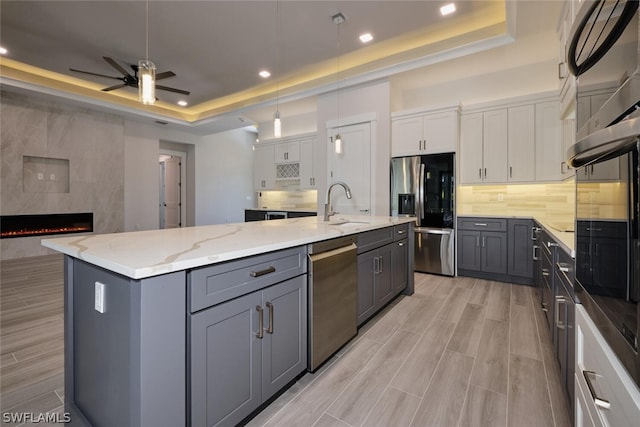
{"points": [[607, 395]]}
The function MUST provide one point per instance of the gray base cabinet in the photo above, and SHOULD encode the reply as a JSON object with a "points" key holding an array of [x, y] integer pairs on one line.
{"points": [[382, 269], [245, 350], [496, 249]]}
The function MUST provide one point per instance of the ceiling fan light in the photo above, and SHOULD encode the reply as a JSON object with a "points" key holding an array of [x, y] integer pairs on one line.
{"points": [[277, 125], [147, 82]]}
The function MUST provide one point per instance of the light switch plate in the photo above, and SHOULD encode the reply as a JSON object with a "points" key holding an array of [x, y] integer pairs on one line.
{"points": [[99, 297]]}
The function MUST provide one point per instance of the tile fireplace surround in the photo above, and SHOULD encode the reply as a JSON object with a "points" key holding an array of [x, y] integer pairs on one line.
{"points": [[92, 143]]}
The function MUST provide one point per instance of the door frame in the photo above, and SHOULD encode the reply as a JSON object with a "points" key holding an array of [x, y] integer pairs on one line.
{"points": [[183, 181]]}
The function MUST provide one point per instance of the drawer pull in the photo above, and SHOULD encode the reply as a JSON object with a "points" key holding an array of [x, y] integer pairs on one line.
{"points": [[401, 244], [562, 267], [400, 231], [602, 403], [552, 244], [270, 327], [262, 272], [260, 333], [480, 224]]}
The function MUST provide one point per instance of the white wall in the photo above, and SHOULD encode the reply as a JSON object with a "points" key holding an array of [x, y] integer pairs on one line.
{"points": [[291, 125], [142, 184], [365, 99], [224, 177]]}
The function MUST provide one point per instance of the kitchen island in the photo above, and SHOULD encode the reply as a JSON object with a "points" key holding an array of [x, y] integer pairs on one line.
{"points": [[143, 315]]}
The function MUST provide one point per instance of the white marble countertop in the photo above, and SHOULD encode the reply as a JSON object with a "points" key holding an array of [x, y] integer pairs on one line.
{"points": [[143, 254]]}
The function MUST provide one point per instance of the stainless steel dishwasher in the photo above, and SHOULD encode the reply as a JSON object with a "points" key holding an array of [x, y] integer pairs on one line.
{"points": [[333, 275]]}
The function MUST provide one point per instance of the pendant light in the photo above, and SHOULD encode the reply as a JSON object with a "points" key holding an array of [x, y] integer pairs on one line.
{"points": [[147, 71], [338, 19], [277, 124]]}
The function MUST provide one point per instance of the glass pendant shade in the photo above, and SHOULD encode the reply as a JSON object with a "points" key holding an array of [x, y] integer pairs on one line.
{"points": [[147, 82], [277, 125], [338, 144]]}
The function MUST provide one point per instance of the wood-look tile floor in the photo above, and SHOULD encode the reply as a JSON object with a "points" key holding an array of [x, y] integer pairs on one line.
{"points": [[459, 352]]}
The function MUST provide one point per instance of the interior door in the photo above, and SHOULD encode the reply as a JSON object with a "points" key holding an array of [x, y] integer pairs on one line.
{"points": [[171, 194], [353, 166]]}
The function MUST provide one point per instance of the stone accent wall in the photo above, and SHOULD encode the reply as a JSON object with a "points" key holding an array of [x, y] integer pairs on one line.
{"points": [[93, 144]]}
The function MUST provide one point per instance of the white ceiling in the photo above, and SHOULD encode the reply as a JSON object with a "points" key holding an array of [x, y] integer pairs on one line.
{"points": [[216, 49]]}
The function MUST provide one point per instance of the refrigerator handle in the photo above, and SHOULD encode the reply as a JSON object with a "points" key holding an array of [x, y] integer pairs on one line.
{"points": [[421, 192]]}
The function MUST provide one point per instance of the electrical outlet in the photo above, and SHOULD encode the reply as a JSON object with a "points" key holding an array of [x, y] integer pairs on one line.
{"points": [[500, 197], [40, 176], [52, 177], [99, 297]]}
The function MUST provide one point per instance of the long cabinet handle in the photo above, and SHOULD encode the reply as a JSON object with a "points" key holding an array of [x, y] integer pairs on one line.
{"points": [[270, 327], [480, 173], [267, 270], [562, 267], [600, 402], [260, 311], [559, 300], [480, 224], [478, 241], [510, 171]]}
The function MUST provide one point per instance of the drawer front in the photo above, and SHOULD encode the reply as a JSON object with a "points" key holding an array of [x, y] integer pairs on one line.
{"points": [[610, 382], [400, 232], [218, 283], [374, 239], [482, 224]]}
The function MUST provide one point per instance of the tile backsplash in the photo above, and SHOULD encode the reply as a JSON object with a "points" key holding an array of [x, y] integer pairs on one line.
{"points": [[288, 200], [547, 202]]}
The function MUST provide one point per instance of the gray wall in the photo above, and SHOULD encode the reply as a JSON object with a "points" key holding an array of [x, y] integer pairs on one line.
{"points": [[92, 142]]}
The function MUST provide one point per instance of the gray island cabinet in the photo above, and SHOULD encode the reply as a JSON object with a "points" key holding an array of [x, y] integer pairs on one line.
{"points": [[204, 333]]}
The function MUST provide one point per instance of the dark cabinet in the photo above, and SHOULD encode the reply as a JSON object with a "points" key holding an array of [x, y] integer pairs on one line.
{"points": [[254, 215], [564, 319], [547, 258], [482, 247], [520, 248], [252, 345], [383, 268]]}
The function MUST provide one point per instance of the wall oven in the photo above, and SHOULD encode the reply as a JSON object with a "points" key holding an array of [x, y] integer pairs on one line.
{"points": [[603, 55]]}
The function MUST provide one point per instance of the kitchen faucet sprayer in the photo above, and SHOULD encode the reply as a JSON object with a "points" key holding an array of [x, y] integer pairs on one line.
{"points": [[327, 204]]}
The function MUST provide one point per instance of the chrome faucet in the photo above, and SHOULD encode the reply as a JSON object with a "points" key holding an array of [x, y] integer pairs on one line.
{"points": [[327, 203]]}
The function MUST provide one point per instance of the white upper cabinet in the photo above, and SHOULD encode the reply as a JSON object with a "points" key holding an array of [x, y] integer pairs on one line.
{"points": [[424, 133], [264, 171], [549, 152], [287, 152], [307, 169], [522, 143]]}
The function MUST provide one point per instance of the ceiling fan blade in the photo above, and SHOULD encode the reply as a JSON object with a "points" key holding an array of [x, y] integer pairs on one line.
{"points": [[95, 74], [171, 89], [165, 74], [115, 65], [110, 88]]}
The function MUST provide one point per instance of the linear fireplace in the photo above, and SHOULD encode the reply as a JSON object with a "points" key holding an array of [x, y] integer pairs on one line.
{"points": [[12, 226]]}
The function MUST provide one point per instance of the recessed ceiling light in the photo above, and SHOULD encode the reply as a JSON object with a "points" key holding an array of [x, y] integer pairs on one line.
{"points": [[366, 37], [264, 74], [3, 50], [447, 9], [183, 103]]}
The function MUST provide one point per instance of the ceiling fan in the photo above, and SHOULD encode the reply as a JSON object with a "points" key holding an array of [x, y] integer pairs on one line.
{"points": [[131, 80]]}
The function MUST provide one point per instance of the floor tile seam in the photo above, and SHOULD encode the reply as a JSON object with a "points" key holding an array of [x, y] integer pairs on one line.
{"points": [[473, 366], [30, 399], [544, 365]]}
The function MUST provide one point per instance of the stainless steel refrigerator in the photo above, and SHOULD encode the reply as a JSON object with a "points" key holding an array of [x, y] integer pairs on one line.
{"points": [[424, 187]]}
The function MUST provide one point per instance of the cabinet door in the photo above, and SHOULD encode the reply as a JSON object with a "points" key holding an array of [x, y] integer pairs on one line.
{"points": [[469, 254], [522, 143], [400, 274], [520, 246], [495, 141], [286, 152], [383, 286], [549, 153], [284, 351], [236, 364], [471, 126], [583, 111], [366, 294], [494, 252], [406, 136], [440, 132], [605, 171], [307, 171], [264, 168]]}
